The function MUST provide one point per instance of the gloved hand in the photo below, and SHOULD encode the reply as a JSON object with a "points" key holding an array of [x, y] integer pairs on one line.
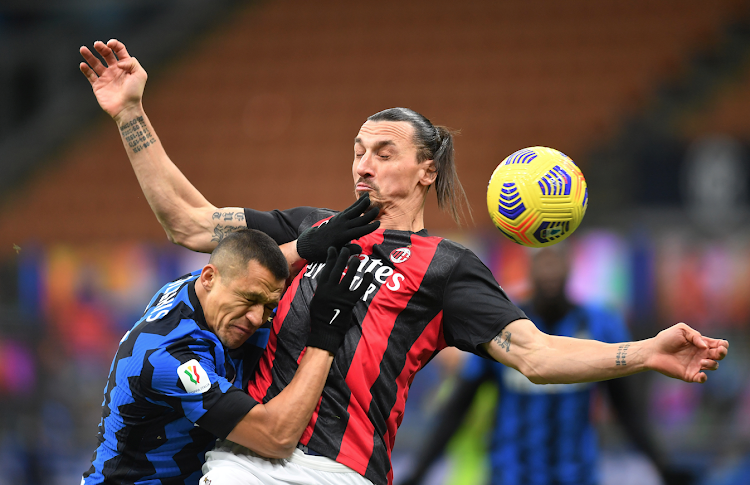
{"points": [[332, 306], [345, 226]]}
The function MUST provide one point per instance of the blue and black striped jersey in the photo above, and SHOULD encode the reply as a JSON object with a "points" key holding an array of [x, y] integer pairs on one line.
{"points": [[172, 390], [543, 433]]}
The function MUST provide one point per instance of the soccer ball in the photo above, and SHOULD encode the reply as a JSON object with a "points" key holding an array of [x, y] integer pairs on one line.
{"points": [[537, 197]]}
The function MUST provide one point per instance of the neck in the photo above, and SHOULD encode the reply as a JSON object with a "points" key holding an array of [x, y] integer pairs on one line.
{"points": [[403, 217], [202, 295]]}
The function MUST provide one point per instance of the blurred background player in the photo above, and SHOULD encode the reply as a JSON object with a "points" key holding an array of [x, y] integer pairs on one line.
{"points": [[546, 434]]}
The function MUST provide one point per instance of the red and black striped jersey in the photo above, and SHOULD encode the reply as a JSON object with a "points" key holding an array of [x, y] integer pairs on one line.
{"points": [[427, 293]]}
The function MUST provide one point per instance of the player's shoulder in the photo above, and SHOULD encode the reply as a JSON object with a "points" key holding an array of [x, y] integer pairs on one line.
{"points": [[173, 316], [441, 243], [315, 217]]}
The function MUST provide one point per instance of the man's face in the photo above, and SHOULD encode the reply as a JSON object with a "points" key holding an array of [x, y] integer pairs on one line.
{"points": [[549, 273], [385, 166], [236, 307]]}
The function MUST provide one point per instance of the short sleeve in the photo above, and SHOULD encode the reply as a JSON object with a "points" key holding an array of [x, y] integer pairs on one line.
{"points": [[475, 307], [185, 377], [285, 226]]}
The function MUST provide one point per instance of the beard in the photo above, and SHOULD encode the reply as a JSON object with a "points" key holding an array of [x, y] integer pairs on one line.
{"points": [[373, 193]]}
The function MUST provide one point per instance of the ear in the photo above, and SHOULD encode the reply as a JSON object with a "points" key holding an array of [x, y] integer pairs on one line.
{"points": [[209, 275], [428, 173]]}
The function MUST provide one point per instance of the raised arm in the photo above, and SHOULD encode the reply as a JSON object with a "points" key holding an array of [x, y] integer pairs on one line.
{"points": [[274, 429], [679, 352], [186, 216]]}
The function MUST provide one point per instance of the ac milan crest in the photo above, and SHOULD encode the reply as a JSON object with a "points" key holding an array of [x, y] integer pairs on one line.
{"points": [[400, 255]]}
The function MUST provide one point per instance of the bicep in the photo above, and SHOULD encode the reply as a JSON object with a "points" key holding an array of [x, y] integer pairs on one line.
{"points": [[516, 343]]}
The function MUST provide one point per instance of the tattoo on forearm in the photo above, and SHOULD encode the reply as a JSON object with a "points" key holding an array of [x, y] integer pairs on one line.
{"points": [[216, 215], [136, 134], [220, 232], [503, 340], [622, 352]]}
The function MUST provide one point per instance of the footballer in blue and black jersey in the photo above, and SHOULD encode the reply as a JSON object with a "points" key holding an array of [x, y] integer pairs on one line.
{"points": [[544, 433], [173, 388]]}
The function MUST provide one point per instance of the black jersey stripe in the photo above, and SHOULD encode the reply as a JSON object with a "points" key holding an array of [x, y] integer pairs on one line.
{"points": [[408, 329]]}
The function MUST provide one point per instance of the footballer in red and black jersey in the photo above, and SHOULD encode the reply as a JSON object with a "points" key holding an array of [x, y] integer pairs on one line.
{"points": [[427, 293]]}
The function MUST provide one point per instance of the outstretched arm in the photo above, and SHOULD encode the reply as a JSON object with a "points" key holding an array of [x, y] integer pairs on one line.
{"points": [[679, 352], [186, 216]]}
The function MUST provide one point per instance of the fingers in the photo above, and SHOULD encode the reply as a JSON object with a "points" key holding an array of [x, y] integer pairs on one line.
{"points": [[105, 52], [716, 343], [353, 248], [130, 64], [351, 270], [716, 353], [93, 61], [358, 232], [358, 207], [88, 72], [700, 377], [369, 216], [359, 292], [328, 268], [118, 48], [709, 364], [695, 337]]}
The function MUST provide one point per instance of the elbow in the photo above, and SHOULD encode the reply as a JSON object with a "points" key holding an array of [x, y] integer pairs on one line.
{"points": [[173, 238], [533, 374], [281, 447]]}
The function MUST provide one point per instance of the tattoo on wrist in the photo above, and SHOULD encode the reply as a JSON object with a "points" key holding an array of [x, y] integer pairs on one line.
{"points": [[503, 340], [228, 216], [622, 352], [220, 232], [136, 134]]}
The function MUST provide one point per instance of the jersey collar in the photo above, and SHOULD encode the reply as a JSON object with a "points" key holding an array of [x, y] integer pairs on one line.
{"points": [[198, 316]]}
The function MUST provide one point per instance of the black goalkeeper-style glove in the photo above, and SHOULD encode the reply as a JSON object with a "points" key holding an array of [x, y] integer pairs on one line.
{"points": [[333, 304], [313, 244]]}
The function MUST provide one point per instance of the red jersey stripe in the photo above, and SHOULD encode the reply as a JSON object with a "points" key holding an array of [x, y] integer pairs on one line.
{"points": [[376, 328]]}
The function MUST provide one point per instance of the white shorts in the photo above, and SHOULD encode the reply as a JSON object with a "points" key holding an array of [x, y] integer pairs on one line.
{"points": [[232, 464]]}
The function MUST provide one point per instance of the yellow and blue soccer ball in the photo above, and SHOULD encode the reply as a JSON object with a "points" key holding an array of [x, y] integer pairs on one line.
{"points": [[537, 196]]}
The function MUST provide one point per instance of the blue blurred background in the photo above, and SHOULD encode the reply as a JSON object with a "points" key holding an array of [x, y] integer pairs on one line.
{"points": [[257, 102]]}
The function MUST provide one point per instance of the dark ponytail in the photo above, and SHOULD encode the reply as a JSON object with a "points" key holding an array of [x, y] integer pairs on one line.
{"points": [[434, 143]]}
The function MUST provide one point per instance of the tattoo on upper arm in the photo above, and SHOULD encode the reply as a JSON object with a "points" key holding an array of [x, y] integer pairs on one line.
{"points": [[136, 134], [503, 340], [622, 352], [220, 232]]}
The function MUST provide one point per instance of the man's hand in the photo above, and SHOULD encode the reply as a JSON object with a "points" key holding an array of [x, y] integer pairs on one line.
{"points": [[118, 85], [683, 353], [350, 224], [333, 304]]}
